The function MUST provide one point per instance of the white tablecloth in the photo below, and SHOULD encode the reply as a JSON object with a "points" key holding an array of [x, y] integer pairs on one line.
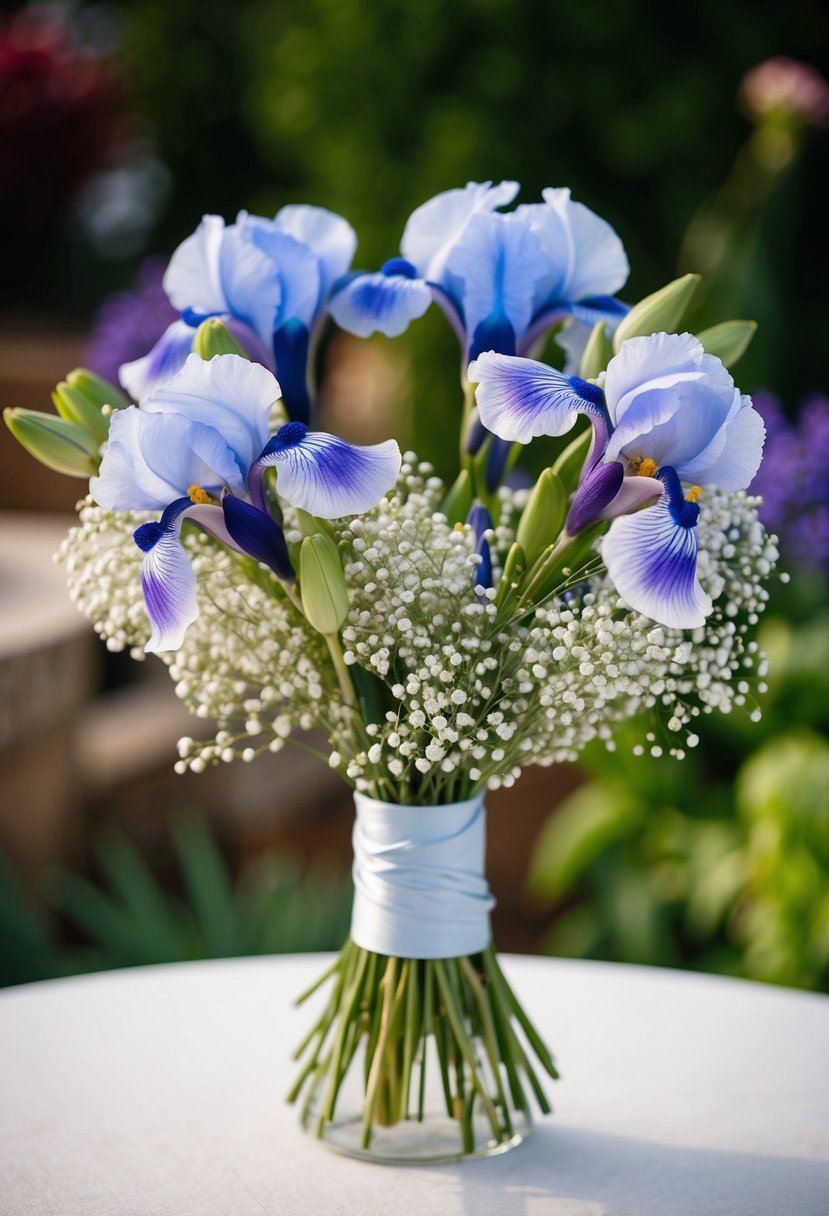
{"points": [[158, 1092]]}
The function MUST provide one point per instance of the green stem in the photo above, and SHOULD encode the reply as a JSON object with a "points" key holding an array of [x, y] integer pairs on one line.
{"points": [[394, 1009], [340, 667], [494, 971], [376, 1071], [462, 1039]]}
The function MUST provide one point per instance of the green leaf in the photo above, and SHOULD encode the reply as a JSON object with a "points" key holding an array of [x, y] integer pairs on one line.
{"points": [[208, 887], [582, 827], [27, 949]]}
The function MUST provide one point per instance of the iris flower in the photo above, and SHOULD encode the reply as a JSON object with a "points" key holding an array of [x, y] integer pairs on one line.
{"points": [[267, 280], [502, 279], [667, 421], [196, 450]]}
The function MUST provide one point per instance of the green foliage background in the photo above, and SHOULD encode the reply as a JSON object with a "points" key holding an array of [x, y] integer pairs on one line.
{"points": [[369, 107]]}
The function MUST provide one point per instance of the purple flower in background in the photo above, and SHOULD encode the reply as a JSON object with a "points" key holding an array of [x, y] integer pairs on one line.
{"points": [[129, 323], [794, 479]]}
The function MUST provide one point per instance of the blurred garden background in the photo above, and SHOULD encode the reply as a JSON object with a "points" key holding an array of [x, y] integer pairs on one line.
{"points": [[704, 142]]}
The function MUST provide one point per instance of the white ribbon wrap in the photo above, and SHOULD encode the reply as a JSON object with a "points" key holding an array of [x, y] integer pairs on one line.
{"points": [[419, 886]]}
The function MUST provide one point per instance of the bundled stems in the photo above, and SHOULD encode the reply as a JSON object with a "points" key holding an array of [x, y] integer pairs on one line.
{"points": [[402, 1012]]}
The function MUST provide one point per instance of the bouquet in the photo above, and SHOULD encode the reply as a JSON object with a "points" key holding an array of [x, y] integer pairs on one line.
{"points": [[441, 636]]}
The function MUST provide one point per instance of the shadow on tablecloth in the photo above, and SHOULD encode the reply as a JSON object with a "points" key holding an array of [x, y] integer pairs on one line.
{"points": [[571, 1171]]}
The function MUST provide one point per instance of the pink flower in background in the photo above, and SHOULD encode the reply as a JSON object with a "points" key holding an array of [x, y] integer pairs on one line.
{"points": [[788, 87]]}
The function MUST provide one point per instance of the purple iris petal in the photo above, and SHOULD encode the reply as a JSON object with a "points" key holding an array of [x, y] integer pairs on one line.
{"points": [[651, 557], [496, 462], [493, 272], [151, 459], [290, 348], [329, 236], [228, 394], [324, 475], [480, 521], [596, 492], [493, 333], [435, 227], [380, 303], [249, 340], [635, 492], [167, 579], [257, 534], [400, 266], [520, 398], [142, 376], [599, 308]]}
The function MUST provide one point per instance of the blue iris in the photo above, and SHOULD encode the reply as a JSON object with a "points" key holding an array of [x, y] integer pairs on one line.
{"points": [[268, 280], [197, 450], [502, 279]]}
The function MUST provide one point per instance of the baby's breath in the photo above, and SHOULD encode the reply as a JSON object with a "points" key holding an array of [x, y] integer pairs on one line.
{"points": [[462, 695]]}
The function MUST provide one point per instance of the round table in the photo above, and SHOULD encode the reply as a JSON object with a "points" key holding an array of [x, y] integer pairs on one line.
{"points": [[158, 1092]]}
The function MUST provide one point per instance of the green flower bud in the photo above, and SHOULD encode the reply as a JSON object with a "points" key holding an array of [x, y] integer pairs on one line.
{"points": [[322, 584], [87, 401], [96, 389], [597, 353], [543, 516], [458, 501], [659, 312], [214, 338], [310, 525], [729, 340], [570, 462], [58, 444]]}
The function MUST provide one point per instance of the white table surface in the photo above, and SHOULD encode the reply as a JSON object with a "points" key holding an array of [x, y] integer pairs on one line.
{"points": [[158, 1092]]}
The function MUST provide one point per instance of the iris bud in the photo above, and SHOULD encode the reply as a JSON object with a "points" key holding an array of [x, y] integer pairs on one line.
{"points": [[87, 401], [543, 516], [55, 442], [657, 313], [214, 338], [310, 525], [458, 501], [597, 353], [322, 584], [729, 341]]}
